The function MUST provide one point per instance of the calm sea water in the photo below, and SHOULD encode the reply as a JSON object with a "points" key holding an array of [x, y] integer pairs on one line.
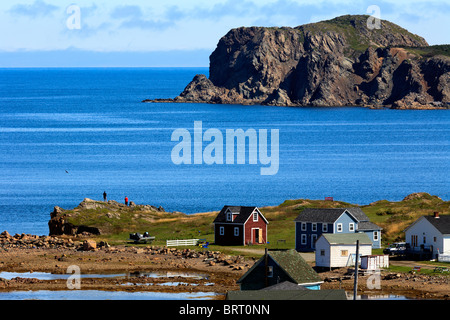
{"points": [[68, 134]]}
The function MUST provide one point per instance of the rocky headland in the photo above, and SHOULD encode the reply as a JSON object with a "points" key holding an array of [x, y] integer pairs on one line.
{"points": [[338, 62]]}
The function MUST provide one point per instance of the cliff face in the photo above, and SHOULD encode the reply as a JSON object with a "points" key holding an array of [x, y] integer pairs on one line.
{"points": [[339, 62]]}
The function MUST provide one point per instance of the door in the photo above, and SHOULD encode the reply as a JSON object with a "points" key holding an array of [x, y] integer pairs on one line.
{"points": [[257, 235]]}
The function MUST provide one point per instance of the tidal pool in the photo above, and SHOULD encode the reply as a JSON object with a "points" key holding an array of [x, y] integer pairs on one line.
{"points": [[102, 295]]}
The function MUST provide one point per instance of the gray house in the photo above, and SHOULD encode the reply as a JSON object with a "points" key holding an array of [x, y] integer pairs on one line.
{"points": [[311, 223]]}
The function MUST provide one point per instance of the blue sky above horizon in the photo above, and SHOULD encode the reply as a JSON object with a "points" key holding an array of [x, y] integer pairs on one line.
{"points": [[189, 28]]}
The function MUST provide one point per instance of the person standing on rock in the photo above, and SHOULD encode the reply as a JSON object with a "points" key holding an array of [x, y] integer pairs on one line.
{"points": [[126, 201], [104, 196]]}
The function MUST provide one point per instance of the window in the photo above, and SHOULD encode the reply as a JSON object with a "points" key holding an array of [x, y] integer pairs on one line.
{"points": [[229, 216], [313, 240], [221, 231], [434, 239], [303, 239], [344, 253], [270, 271], [314, 226], [414, 240], [303, 226], [339, 227], [322, 252], [255, 216], [236, 231], [351, 227], [324, 227], [375, 236]]}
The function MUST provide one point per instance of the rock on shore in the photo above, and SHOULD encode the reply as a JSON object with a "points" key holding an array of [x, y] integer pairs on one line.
{"points": [[339, 62], [98, 217]]}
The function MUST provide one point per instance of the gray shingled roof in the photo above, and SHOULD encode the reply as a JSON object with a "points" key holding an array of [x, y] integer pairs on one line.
{"points": [[442, 223], [346, 238], [367, 225], [242, 212], [285, 285], [293, 265], [287, 295], [329, 215]]}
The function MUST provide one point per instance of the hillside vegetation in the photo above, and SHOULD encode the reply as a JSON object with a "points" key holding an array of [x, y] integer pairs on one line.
{"points": [[114, 221]]}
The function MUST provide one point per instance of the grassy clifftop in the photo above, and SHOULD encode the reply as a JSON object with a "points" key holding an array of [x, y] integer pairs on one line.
{"points": [[115, 221]]}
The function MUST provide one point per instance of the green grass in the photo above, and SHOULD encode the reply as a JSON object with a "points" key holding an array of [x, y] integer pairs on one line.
{"points": [[430, 51], [393, 217]]}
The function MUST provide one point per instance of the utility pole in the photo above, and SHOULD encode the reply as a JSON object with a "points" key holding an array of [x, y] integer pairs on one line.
{"points": [[355, 288], [266, 271]]}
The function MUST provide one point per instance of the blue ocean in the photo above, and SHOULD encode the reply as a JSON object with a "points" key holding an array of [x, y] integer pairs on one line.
{"points": [[70, 134]]}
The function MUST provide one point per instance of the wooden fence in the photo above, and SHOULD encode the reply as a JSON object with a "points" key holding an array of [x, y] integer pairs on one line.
{"points": [[187, 242]]}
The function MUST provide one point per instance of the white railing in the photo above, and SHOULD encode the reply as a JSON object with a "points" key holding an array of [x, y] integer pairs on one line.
{"points": [[187, 242]]}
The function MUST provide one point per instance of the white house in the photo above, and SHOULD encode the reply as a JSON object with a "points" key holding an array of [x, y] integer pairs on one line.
{"points": [[430, 233], [339, 250]]}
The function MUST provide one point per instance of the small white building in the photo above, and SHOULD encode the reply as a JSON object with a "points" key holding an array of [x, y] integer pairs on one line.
{"points": [[430, 233], [339, 250], [374, 262]]}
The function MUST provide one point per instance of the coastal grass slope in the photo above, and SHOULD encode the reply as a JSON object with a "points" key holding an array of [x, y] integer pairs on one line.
{"points": [[112, 221]]}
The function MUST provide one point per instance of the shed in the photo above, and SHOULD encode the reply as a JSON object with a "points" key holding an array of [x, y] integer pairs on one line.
{"points": [[277, 266], [339, 250], [374, 262]]}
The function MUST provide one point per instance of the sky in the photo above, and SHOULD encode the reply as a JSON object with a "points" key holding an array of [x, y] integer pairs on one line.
{"points": [[175, 33]]}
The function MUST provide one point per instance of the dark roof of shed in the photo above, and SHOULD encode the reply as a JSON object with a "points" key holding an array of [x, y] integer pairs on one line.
{"points": [[242, 212], [287, 295], [285, 285], [293, 265], [329, 215]]}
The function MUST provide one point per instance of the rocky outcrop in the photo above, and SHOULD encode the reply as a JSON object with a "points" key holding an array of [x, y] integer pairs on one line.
{"points": [[92, 217], [339, 62]]}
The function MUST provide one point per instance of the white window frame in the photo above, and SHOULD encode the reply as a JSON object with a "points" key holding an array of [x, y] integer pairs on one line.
{"points": [[324, 227], [303, 238], [375, 236], [314, 226], [303, 226], [339, 227], [236, 231], [255, 215], [221, 231], [351, 227]]}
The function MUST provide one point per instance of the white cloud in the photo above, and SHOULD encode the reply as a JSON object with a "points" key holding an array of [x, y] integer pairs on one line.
{"points": [[109, 25]]}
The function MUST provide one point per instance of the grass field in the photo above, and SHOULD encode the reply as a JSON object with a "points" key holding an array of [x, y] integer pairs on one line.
{"points": [[393, 217]]}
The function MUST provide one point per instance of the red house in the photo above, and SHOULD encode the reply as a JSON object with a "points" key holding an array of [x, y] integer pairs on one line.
{"points": [[238, 225]]}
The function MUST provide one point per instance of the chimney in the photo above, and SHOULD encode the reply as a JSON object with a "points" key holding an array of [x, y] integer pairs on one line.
{"points": [[436, 215]]}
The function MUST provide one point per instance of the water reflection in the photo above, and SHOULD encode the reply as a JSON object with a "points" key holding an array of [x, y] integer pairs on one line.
{"points": [[102, 295]]}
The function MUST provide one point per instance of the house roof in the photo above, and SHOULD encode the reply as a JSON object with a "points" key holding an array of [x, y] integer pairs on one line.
{"points": [[242, 213], [287, 295], [346, 238], [329, 215], [367, 225], [442, 224], [293, 265], [285, 285]]}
